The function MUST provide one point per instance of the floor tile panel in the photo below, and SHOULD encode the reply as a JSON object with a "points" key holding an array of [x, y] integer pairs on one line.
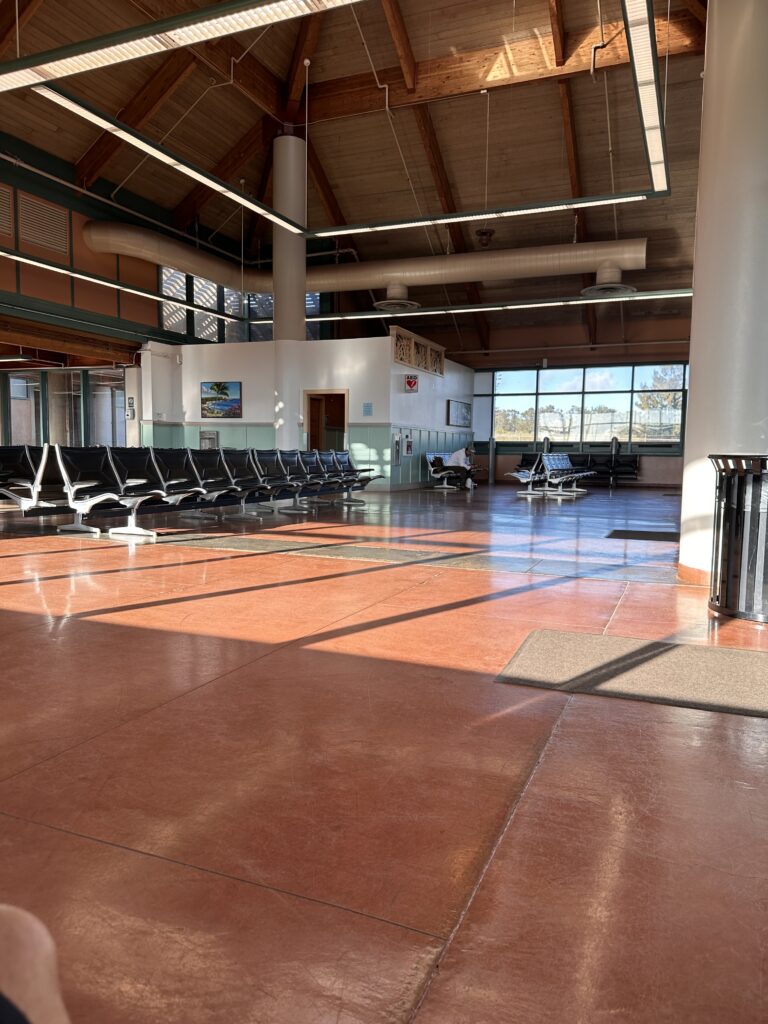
{"points": [[374, 790], [629, 887], [144, 940], [510, 596], [64, 681]]}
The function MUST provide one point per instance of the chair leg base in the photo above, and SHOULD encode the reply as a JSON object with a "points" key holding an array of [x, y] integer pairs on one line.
{"points": [[133, 532], [78, 526]]}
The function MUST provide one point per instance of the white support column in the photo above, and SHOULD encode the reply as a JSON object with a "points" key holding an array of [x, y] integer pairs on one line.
{"points": [[290, 286], [728, 400]]}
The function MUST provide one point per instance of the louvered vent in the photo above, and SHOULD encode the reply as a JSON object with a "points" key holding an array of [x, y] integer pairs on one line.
{"points": [[6, 198], [44, 225]]}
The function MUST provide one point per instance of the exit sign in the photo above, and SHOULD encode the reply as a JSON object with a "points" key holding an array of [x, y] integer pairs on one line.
{"points": [[412, 382]]}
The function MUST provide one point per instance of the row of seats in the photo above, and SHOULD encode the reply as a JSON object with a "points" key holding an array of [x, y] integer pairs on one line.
{"points": [[608, 467], [551, 476], [51, 480]]}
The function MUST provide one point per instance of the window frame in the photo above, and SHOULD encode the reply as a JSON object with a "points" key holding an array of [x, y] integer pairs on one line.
{"points": [[653, 447]]}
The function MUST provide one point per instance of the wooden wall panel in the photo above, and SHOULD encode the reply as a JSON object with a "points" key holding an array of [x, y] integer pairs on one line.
{"points": [[144, 275]]}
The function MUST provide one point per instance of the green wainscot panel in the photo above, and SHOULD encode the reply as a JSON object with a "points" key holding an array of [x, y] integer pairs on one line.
{"points": [[167, 435], [260, 435]]}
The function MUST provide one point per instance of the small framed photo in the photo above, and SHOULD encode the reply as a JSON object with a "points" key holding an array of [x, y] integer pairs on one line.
{"points": [[459, 414], [221, 399]]}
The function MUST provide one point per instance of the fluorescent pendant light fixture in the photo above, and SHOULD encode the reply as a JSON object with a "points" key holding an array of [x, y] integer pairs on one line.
{"points": [[499, 307], [133, 138], [641, 40], [197, 26], [128, 289], [557, 205]]}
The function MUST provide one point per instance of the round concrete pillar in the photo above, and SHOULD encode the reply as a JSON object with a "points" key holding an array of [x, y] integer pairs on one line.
{"points": [[289, 254], [728, 382], [289, 263]]}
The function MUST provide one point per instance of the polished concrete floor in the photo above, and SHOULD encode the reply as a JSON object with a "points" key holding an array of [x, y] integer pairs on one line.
{"points": [[263, 773]]}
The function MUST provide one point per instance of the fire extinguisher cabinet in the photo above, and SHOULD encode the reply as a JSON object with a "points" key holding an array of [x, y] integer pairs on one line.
{"points": [[739, 582]]}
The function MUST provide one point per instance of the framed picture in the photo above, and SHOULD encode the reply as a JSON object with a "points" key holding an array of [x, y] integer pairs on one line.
{"points": [[221, 399], [459, 414]]}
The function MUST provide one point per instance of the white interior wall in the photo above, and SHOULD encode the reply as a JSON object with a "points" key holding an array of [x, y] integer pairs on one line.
{"points": [[428, 407]]}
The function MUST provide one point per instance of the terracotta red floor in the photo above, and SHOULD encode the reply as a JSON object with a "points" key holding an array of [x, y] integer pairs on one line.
{"points": [[248, 786]]}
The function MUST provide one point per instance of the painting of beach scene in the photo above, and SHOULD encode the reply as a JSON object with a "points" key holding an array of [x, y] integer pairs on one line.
{"points": [[220, 399]]}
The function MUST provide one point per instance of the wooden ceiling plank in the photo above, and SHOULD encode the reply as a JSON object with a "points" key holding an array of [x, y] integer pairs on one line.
{"points": [[558, 33], [442, 183], [323, 186], [174, 70], [306, 45], [466, 73], [227, 168], [227, 58], [697, 9], [574, 176], [249, 76], [27, 9], [402, 44]]}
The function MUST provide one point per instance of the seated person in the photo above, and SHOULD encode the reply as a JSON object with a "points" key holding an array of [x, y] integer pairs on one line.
{"points": [[460, 463]]}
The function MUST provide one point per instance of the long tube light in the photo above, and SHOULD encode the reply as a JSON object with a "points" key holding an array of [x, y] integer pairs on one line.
{"points": [[187, 29], [583, 203], [498, 307], [641, 39], [142, 293], [138, 141]]}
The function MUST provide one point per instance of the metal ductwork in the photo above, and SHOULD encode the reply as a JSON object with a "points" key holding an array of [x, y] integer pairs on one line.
{"points": [[602, 258]]}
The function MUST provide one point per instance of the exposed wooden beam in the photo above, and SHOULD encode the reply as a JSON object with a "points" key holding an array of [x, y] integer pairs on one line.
{"points": [[27, 9], [574, 177], [494, 68], [402, 43], [558, 34], [442, 183], [249, 76], [306, 45], [228, 59], [323, 186], [269, 131], [569, 134], [230, 164], [698, 9], [169, 76], [39, 336]]}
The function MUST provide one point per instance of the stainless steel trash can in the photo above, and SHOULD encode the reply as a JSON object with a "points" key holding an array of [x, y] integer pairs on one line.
{"points": [[739, 582]]}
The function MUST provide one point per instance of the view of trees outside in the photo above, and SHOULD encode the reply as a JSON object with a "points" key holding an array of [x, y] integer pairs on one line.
{"points": [[658, 413], [598, 413], [560, 419], [606, 416], [515, 418]]}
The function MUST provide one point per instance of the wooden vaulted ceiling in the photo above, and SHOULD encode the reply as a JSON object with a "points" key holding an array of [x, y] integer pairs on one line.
{"points": [[495, 91]]}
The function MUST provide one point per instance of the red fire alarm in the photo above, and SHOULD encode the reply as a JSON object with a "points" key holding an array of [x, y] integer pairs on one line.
{"points": [[411, 382]]}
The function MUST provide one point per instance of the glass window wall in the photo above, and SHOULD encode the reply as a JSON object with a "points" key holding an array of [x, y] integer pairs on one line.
{"points": [[65, 407], [642, 404], [24, 400], [106, 390]]}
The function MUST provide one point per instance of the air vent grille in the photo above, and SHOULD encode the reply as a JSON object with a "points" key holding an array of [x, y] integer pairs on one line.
{"points": [[43, 224], [6, 207]]}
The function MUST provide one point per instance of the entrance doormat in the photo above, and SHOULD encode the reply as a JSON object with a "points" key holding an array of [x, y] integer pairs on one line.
{"points": [[686, 675], [661, 535]]}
